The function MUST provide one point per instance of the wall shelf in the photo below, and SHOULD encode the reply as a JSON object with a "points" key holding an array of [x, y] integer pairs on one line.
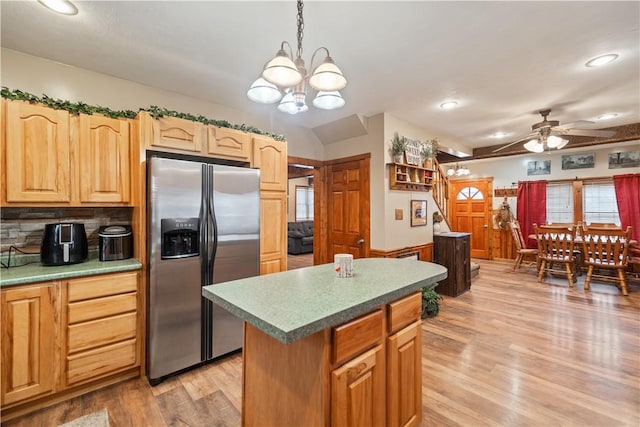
{"points": [[409, 177]]}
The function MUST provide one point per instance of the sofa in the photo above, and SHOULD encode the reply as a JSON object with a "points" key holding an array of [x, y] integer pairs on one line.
{"points": [[300, 237]]}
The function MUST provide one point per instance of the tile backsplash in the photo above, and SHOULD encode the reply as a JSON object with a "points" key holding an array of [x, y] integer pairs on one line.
{"points": [[24, 227]]}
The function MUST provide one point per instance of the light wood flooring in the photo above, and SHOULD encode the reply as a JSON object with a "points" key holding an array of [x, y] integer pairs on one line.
{"points": [[510, 352]]}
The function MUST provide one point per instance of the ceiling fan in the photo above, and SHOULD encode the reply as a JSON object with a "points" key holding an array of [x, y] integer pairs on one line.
{"points": [[548, 134]]}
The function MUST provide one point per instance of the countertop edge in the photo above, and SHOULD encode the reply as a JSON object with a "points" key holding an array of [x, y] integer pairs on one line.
{"points": [[328, 321], [47, 274]]}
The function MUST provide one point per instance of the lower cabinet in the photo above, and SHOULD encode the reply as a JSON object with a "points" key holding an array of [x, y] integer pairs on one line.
{"points": [[404, 374], [67, 335], [30, 321]]}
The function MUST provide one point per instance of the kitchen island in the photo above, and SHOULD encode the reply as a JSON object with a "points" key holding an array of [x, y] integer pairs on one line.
{"points": [[321, 350]]}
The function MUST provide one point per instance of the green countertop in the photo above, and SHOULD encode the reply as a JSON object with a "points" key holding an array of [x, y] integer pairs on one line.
{"points": [[294, 304], [36, 272]]}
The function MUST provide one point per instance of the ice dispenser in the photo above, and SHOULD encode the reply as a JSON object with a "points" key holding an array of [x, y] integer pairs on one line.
{"points": [[179, 237]]}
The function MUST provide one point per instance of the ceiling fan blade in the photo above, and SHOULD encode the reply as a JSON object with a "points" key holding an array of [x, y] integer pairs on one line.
{"points": [[587, 132], [515, 142], [576, 124]]}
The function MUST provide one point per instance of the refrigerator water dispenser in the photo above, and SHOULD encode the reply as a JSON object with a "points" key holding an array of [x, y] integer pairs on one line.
{"points": [[179, 237]]}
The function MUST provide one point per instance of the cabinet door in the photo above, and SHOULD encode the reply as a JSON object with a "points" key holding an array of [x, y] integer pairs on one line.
{"points": [[404, 376], [178, 135], [37, 154], [29, 322], [273, 232], [270, 156], [358, 391], [104, 159], [228, 143]]}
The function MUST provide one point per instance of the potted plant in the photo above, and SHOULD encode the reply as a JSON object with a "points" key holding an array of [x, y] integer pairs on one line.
{"points": [[428, 151], [398, 146], [437, 219], [430, 303]]}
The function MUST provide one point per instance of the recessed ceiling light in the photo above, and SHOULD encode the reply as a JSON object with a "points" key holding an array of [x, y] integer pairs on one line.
{"points": [[61, 6], [601, 60], [448, 105], [499, 135], [607, 116]]}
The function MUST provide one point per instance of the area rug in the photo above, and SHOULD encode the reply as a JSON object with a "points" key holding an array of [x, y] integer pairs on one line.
{"points": [[97, 419]]}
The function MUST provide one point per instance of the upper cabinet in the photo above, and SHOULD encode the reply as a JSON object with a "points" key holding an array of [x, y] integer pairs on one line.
{"points": [[270, 156], [171, 134], [53, 159], [37, 163], [229, 144], [104, 159]]}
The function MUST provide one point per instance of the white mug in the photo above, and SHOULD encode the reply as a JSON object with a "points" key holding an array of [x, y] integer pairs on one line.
{"points": [[343, 265]]}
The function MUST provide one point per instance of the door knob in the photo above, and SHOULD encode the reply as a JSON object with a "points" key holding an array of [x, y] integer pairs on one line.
{"points": [[485, 226], [360, 241]]}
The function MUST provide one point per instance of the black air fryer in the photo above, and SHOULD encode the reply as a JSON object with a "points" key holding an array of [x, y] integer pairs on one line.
{"points": [[64, 243]]}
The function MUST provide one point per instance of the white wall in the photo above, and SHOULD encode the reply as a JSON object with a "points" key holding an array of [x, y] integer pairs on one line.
{"points": [[507, 171], [41, 76]]}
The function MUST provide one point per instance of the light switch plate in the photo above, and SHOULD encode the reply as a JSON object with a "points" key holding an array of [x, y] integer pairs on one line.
{"points": [[398, 214]]}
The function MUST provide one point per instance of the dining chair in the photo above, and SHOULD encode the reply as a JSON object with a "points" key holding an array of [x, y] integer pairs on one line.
{"points": [[521, 249], [603, 225], [605, 249], [556, 247]]}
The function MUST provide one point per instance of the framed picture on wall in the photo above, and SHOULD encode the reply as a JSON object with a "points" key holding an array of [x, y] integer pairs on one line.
{"points": [[418, 213], [539, 167], [630, 159], [578, 161]]}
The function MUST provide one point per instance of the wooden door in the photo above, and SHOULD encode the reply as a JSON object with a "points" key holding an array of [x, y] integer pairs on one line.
{"points": [[104, 159], [273, 231], [29, 331], [404, 374], [471, 204], [348, 215], [270, 156], [38, 164], [358, 391]]}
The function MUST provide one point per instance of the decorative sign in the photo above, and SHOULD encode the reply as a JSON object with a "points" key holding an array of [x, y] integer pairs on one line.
{"points": [[412, 152], [506, 192]]}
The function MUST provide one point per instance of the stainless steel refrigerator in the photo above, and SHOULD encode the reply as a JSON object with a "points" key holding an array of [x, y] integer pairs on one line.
{"points": [[204, 228]]}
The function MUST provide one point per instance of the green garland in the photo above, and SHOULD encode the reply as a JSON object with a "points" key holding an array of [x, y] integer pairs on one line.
{"points": [[155, 111]]}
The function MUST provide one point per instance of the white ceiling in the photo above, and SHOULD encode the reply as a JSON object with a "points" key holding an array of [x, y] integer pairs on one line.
{"points": [[501, 61]]}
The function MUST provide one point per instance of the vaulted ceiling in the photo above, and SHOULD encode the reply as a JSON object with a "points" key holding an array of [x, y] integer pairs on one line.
{"points": [[501, 62]]}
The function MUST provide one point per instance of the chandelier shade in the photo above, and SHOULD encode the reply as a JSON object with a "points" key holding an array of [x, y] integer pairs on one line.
{"points": [[263, 92], [290, 75], [458, 171]]}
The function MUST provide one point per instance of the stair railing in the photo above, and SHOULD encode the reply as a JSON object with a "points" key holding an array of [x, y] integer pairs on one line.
{"points": [[441, 191]]}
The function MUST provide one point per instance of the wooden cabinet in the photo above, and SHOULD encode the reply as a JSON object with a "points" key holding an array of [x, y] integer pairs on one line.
{"points": [[30, 323], [37, 148], [273, 232], [453, 251], [101, 326], [410, 177], [54, 159], [104, 160], [270, 156], [229, 144], [358, 391], [404, 374], [171, 134]]}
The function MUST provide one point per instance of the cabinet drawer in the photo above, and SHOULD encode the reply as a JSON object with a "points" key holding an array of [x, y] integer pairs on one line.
{"points": [[100, 332], [356, 336], [404, 311], [101, 286], [101, 307], [94, 363]]}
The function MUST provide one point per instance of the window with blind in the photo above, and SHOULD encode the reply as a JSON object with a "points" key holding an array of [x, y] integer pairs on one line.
{"points": [[559, 202], [304, 203], [599, 203]]}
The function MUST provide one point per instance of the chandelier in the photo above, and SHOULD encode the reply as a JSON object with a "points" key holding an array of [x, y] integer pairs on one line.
{"points": [[289, 75], [458, 171]]}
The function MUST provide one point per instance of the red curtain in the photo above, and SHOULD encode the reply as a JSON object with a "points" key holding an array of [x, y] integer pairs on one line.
{"points": [[532, 207], [628, 198]]}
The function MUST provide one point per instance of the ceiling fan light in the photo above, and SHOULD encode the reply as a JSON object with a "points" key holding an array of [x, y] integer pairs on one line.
{"points": [[328, 100], [282, 71], [327, 77], [263, 92], [554, 141], [563, 142], [534, 146]]}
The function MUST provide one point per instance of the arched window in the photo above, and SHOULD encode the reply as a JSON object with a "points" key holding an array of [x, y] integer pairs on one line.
{"points": [[470, 193]]}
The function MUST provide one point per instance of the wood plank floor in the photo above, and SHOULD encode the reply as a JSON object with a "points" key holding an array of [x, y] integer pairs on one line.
{"points": [[510, 352]]}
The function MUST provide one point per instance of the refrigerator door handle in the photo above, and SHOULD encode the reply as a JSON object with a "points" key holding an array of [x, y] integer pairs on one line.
{"points": [[203, 226], [214, 228]]}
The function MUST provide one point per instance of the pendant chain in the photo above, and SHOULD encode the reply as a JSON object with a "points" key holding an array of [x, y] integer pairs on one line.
{"points": [[300, 28]]}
